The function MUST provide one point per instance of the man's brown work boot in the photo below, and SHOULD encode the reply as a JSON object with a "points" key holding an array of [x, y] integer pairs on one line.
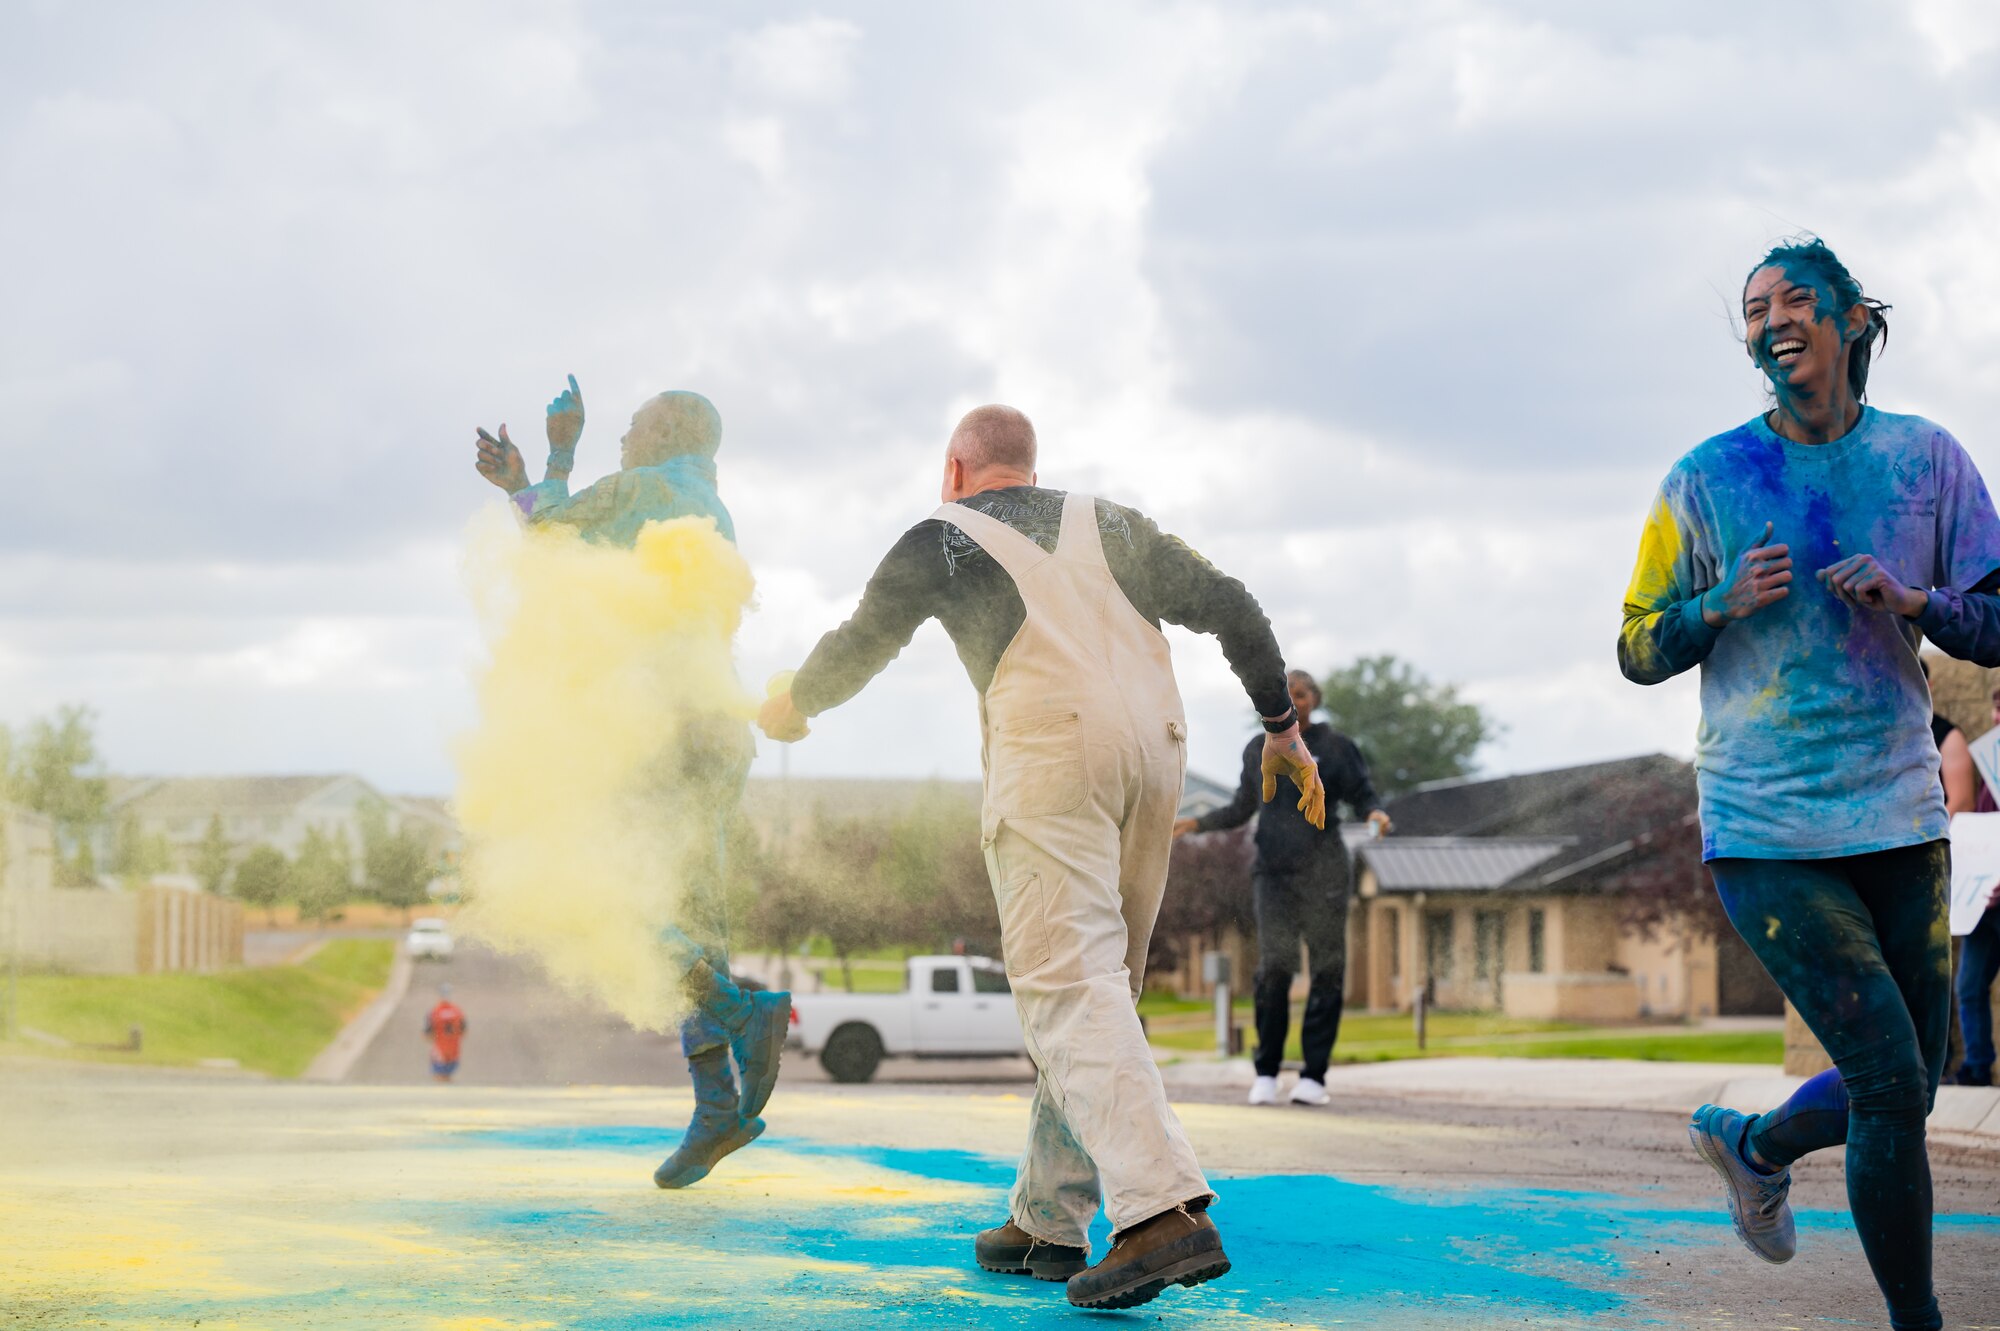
{"points": [[1177, 1247], [1013, 1251]]}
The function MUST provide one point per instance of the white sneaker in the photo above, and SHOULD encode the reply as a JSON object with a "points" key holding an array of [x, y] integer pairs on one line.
{"points": [[1264, 1091], [1309, 1092]]}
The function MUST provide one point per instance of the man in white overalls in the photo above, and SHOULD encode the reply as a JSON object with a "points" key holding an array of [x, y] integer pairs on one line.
{"points": [[1085, 751]]}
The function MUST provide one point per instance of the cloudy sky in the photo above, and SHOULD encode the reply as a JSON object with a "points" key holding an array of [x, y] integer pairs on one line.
{"points": [[1397, 312]]}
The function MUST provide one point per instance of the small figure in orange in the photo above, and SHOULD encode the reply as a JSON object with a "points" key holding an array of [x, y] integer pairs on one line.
{"points": [[446, 1027]]}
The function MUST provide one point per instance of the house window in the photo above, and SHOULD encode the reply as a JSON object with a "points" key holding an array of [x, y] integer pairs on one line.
{"points": [[1438, 945], [944, 982], [1489, 936], [1392, 933], [1538, 957]]}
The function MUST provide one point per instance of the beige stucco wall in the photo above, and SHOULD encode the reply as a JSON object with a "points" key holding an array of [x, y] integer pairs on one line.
{"points": [[1570, 996], [89, 931], [83, 930], [1592, 969], [1673, 973]]}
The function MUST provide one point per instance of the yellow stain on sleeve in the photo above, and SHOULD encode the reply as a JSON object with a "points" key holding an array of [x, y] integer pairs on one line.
{"points": [[1656, 573]]}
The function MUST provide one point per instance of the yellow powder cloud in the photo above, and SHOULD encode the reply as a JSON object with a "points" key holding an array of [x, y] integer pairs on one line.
{"points": [[601, 659]]}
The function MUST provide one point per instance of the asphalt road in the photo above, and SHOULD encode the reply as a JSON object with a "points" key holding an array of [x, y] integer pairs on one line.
{"points": [[136, 1198], [521, 1030]]}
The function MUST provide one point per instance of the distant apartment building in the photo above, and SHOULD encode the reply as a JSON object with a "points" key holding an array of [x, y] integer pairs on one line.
{"points": [[274, 811]]}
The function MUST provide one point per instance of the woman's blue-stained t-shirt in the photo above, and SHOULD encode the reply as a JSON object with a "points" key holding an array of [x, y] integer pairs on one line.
{"points": [[1815, 736]]}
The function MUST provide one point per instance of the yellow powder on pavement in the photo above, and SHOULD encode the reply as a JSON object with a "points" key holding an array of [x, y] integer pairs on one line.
{"points": [[599, 657]]}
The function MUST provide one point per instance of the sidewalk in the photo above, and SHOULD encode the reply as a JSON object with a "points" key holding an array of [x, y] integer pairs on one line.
{"points": [[1963, 1115]]}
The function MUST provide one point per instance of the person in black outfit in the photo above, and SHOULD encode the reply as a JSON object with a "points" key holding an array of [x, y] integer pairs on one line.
{"points": [[1301, 885]]}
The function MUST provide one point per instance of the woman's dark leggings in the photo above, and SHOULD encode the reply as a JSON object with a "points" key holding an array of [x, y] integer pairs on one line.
{"points": [[1860, 947]]}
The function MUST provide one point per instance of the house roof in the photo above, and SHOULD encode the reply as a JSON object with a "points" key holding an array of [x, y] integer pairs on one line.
{"points": [[1445, 864], [1604, 814], [200, 796], [1199, 795]]}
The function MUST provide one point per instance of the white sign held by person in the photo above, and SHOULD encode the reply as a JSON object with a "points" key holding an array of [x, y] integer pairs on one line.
{"points": [[1986, 757], [1975, 867]]}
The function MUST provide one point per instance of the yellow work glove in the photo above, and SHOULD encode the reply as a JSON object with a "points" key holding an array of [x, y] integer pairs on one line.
{"points": [[778, 717], [1285, 754]]}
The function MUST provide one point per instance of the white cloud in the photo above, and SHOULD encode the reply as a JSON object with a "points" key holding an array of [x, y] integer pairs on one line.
{"points": [[1397, 313]]}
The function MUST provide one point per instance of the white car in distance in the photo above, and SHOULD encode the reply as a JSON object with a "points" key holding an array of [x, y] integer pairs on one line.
{"points": [[428, 940], [950, 1007]]}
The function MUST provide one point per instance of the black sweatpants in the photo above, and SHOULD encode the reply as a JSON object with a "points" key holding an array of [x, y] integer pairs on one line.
{"points": [[1859, 945], [1307, 904]]}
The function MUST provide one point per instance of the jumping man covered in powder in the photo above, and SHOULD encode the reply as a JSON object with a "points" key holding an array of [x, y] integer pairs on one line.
{"points": [[667, 461], [1822, 818], [1054, 602]]}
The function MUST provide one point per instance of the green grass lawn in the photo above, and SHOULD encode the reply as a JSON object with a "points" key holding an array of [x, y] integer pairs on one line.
{"points": [[870, 977], [271, 1019], [1374, 1037]]}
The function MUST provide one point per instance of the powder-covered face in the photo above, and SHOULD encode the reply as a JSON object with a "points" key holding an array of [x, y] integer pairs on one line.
{"points": [[1793, 332], [673, 424]]}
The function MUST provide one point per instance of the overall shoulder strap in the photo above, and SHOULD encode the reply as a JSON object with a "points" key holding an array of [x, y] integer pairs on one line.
{"points": [[1011, 550], [1080, 539]]}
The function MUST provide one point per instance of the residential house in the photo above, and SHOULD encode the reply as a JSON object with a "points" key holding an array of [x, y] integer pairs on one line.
{"points": [[1516, 894]]}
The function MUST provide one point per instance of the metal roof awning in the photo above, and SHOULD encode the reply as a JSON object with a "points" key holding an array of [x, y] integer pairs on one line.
{"points": [[1455, 864]]}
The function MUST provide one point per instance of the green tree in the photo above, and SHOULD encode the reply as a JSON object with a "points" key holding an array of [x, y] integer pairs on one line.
{"points": [[935, 874], [841, 864], [396, 865], [264, 878], [52, 769], [1411, 729], [135, 853], [211, 856], [323, 875]]}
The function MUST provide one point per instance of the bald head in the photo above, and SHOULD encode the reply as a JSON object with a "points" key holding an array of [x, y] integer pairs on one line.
{"points": [[672, 425], [993, 438]]}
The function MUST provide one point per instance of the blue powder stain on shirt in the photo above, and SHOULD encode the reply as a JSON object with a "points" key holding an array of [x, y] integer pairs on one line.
{"points": [[1815, 733], [612, 511]]}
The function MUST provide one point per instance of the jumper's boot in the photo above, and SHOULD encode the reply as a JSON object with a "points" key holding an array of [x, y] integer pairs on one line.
{"points": [[757, 1022], [1177, 1247], [717, 1127]]}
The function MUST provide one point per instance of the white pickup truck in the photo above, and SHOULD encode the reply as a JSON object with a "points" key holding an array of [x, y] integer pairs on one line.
{"points": [[950, 1007]]}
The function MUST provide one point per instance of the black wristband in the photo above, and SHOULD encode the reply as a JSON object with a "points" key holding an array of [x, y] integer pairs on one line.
{"points": [[1279, 725]]}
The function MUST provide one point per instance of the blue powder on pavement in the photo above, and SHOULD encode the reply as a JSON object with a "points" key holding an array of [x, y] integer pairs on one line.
{"points": [[1307, 1248], [1297, 1241]]}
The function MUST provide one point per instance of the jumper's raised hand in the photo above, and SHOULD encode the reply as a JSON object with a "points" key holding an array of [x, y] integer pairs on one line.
{"points": [[565, 423], [1759, 576], [500, 462], [1864, 584]]}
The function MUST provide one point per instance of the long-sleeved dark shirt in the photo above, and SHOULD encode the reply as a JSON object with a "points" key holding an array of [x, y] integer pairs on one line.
{"points": [[937, 571], [1285, 840]]}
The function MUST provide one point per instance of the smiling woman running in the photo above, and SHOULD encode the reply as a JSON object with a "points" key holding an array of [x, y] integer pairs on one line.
{"points": [[1822, 819]]}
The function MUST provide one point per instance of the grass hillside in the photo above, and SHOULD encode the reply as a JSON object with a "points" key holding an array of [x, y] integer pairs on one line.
{"points": [[271, 1019]]}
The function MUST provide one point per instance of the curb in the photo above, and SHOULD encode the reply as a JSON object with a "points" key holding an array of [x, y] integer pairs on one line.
{"points": [[338, 1058], [1962, 1115]]}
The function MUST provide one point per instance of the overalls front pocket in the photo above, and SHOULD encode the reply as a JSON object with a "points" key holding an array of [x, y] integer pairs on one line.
{"points": [[1036, 766]]}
